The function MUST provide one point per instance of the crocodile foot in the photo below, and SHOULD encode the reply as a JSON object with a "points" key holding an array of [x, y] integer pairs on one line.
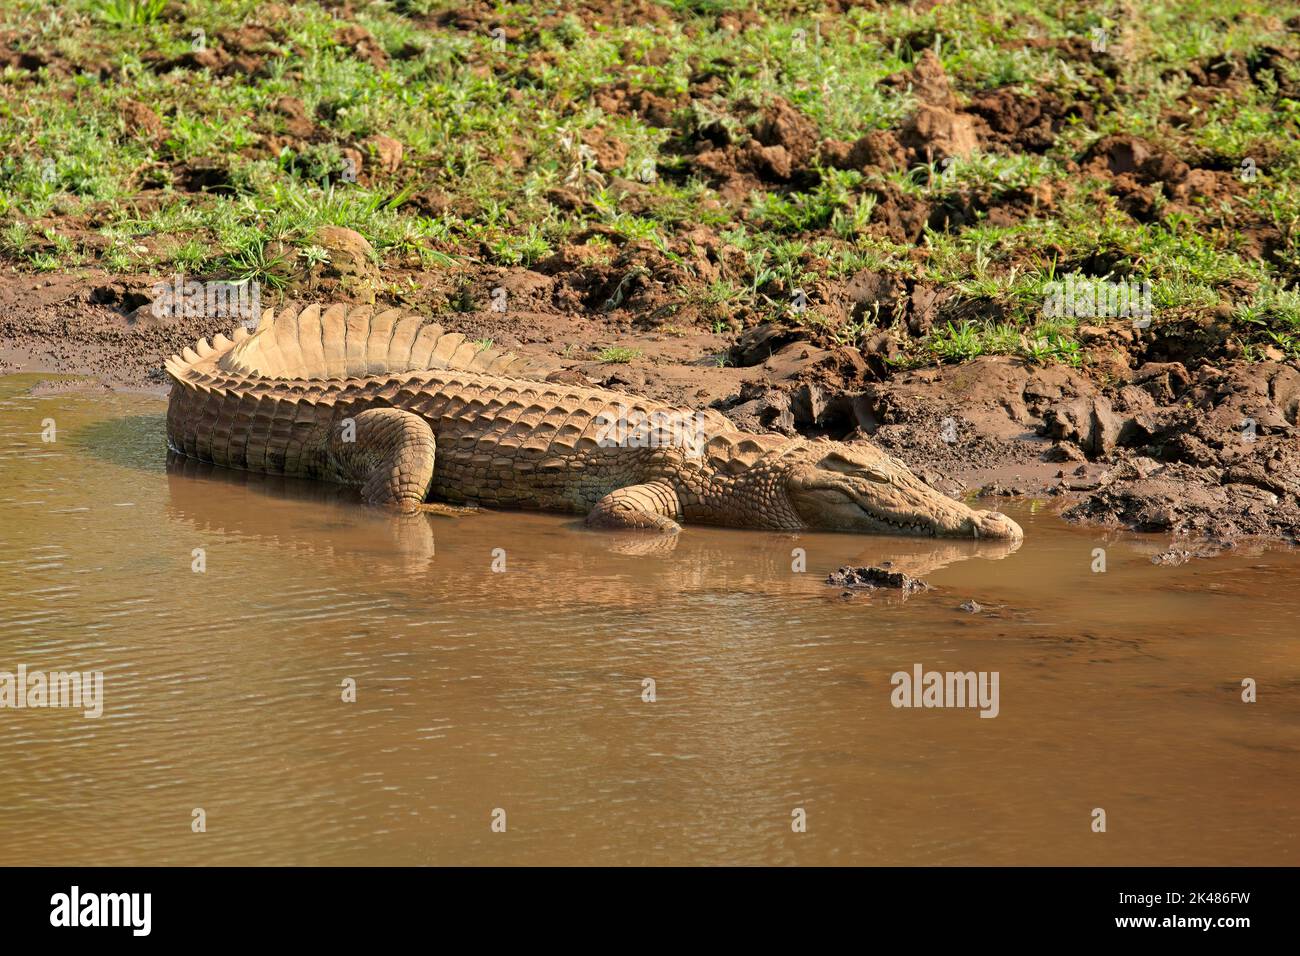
{"points": [[390, 453], [652, 506]]}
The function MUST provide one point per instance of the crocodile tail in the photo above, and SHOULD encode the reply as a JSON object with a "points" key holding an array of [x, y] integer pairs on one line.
{"points": [[344, 341]]}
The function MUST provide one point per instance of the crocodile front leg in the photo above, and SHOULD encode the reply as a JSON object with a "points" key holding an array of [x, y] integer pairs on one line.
{"points": [[652, 506], [390, 453]]}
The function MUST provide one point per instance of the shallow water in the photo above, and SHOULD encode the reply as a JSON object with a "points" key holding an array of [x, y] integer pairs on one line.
{"points": [[522, 689]]}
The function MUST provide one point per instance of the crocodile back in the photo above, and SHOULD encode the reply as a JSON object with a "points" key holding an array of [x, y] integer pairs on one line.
{"points": [[343, 341]]}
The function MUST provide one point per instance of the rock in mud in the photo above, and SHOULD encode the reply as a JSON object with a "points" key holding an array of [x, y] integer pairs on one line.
{"points": [[879, 149], [141, 121], [1084, 479], [873, 578], [755, 346], [1186, 500], [784, 126], [349, 269], [880, 350], [1088, 422], [362, 45], [930, 82], [935, 133], [1172, 557], [293, 112], [937, 130], [761, 408], [385, 153], [1064, 451]]}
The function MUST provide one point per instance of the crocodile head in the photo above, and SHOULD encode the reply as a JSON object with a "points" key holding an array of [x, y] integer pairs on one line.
{"points": [[844, 487]]}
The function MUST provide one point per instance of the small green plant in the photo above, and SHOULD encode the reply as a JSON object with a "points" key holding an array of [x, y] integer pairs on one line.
{"points": [[618, 355], [129, 13], [1052, 345], [190, 255], [313, 255], [15, 237], [956, 343], [849, 222], [1288, 342], [514, 250], [255, 262]]}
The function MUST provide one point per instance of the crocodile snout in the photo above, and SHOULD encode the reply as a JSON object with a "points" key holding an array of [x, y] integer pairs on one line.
{"points": [[994, 524]]}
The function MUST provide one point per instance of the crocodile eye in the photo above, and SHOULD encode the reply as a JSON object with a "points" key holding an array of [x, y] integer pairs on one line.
{"points": [[859, 468], [841, 463]]}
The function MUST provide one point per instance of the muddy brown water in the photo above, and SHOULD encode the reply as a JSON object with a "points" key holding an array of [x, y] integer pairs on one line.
{"points": [[522, 690]]}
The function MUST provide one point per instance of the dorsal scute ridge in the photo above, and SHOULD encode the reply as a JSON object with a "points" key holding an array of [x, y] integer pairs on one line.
{"points": [[319, 343]]}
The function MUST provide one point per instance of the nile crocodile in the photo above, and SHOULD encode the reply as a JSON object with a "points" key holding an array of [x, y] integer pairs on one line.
{"points": [[413, 414]]}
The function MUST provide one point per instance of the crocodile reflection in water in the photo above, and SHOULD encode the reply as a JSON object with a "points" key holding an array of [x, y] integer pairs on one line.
{"points": [[269, 508]]}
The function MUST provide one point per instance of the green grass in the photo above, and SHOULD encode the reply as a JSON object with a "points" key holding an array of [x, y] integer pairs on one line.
{"points": [[618, 355], [129, 13], [492, 133]]}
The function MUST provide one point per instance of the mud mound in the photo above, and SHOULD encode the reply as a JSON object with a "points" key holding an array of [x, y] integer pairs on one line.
{"points": [[1155, 447], [872, 578], [780, 150]]}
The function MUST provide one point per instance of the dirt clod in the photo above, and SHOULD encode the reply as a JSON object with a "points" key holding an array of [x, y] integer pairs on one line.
{"points": [[872, 578]]}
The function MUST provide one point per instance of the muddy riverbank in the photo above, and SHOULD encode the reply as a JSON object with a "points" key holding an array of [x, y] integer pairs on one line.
{"points": [[1167, 437], [858, 224]]}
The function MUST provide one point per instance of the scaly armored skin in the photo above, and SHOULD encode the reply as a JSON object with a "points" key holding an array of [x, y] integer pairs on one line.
{"points": [[390, 402]]}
